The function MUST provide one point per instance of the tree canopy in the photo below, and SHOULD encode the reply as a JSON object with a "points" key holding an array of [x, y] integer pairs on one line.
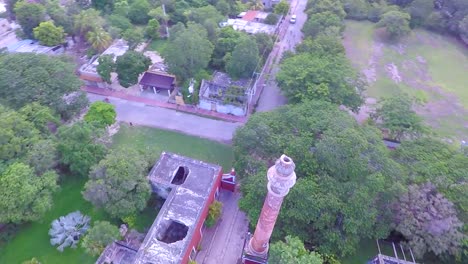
{"points": [[48, 34], [396, 23], [101, 113], [105, 67], [129, 66], [99, 236], [244, 59], [29, 15], [23, 195], [292, 251], [118, 183]]}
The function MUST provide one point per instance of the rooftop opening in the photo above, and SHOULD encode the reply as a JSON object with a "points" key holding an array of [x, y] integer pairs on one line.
{"points": [[180, 175], [171, 232]]}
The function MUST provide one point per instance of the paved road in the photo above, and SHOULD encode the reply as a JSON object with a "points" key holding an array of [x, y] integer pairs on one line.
{"points": [[271, 96], [140, 114]]}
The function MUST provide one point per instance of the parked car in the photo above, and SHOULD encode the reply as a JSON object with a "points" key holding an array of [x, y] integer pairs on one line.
{"points": [[292, 20]]}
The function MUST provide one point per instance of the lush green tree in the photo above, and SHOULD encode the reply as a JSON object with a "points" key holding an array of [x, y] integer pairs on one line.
{"points": [[356, 9], [87, 20], [396, 23], [264, 44], [159, 15], [72, 105], [420, 11], [429, 221], [322, 46], [62, 16], [48, 34], [397, 115], [43, 156], [323, 23], [293, 251], [118, 183], [223, 7], [29, 15], [119, 21], [23, 195], [271, 19], [101, 113], [245, 59], [79, 147], [197, 51], [320, 6], [346, 179], [43, 118], [105, 6], [16, 136], [99, 236], [121, 8], [27, 78], [133, 37], [431, 160], [225, 44], [105, 67], [282, 8], [99, 39], [138, 12], [152, 29], [129, 66], [331, 78]]}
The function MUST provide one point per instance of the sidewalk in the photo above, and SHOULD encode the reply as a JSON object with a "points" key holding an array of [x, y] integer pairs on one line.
{"points": [[150, 102]]}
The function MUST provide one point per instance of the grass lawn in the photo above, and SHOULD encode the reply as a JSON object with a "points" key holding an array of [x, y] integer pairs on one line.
{"points": [[32, 240], [158, 45], [155, 141], [432, 69]]}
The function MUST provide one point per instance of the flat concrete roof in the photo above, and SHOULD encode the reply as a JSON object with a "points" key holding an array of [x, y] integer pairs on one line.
{"points": [[29, 45], [251, 27], [182, 208], [118, 48]]}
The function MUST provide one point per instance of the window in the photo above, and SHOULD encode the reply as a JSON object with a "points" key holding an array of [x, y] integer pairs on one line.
{"points": [[180, 175]]}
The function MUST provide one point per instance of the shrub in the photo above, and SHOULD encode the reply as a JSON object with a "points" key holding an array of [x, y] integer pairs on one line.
{"points": [[214, 213]]}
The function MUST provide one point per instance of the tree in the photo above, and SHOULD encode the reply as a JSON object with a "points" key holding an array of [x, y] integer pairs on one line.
{"points": [[152, 29], [331, 78], [428, 221], [356, 9], [129, 66], [48, 34], [271, 19], [29, 15], [23, 195], [72, 104], [225, 44], [396, 115], [41, 116], [282, 8], [62, 16], [319, 6], [138, 12], [66, 231], [16, 136], [420, 11], [79, 147], [322, 46], [396, 24], [325, 23], [119, 21], [101, 113], [293, 251], [264, 44], [99, 236], [118, 183], [27, 78], [87, 20], [43, 156], [223, 7], [214, 213], [105, 67], [244, 59], [133, 37], [346, 178], [99, 39], [197, 51]]}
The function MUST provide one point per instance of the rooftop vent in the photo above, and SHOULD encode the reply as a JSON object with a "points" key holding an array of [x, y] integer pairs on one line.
{"points": [[180, 175], [172, 231]]}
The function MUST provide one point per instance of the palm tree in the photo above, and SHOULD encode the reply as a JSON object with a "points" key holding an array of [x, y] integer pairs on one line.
{"points": [[99, 39], [86, 21]]}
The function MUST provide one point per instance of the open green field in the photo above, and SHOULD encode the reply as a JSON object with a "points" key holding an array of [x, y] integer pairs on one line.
{"points": [[430, 67], [158, 45], [33, 240]]}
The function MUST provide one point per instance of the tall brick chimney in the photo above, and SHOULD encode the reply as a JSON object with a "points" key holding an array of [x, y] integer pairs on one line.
{"points": [[281, 177]]}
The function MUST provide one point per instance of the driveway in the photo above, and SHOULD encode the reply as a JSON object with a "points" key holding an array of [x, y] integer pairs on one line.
{"points": [[141, 114], [271, 96]]}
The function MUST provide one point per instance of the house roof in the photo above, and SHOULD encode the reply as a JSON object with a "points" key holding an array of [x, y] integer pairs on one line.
{"points": [[250, 15], [158, 79], [182, 209]]}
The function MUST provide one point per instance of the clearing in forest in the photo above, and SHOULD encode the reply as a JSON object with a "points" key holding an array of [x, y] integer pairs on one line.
{"points": [[431, 67]]}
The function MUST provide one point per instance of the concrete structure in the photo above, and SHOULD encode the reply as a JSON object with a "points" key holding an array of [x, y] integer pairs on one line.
{"points": [[270, 3], [224, 95], [29, 45], [189, 187], [281, 177], [252, 23], [88, 72]]}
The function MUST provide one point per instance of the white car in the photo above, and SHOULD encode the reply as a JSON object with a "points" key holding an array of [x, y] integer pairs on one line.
{"points": [[292, 20]]}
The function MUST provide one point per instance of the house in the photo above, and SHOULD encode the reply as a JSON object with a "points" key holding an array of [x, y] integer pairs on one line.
{"points": [[29, 45], [252, 22], [88, 72], [224, 95], [157, 81], [189, 187]]}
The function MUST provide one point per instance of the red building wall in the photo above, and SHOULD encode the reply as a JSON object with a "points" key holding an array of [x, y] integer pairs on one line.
{"points": [[196, 238]]}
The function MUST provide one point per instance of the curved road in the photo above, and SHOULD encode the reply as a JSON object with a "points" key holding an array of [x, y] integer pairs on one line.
{"points": [[271, 96]]}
